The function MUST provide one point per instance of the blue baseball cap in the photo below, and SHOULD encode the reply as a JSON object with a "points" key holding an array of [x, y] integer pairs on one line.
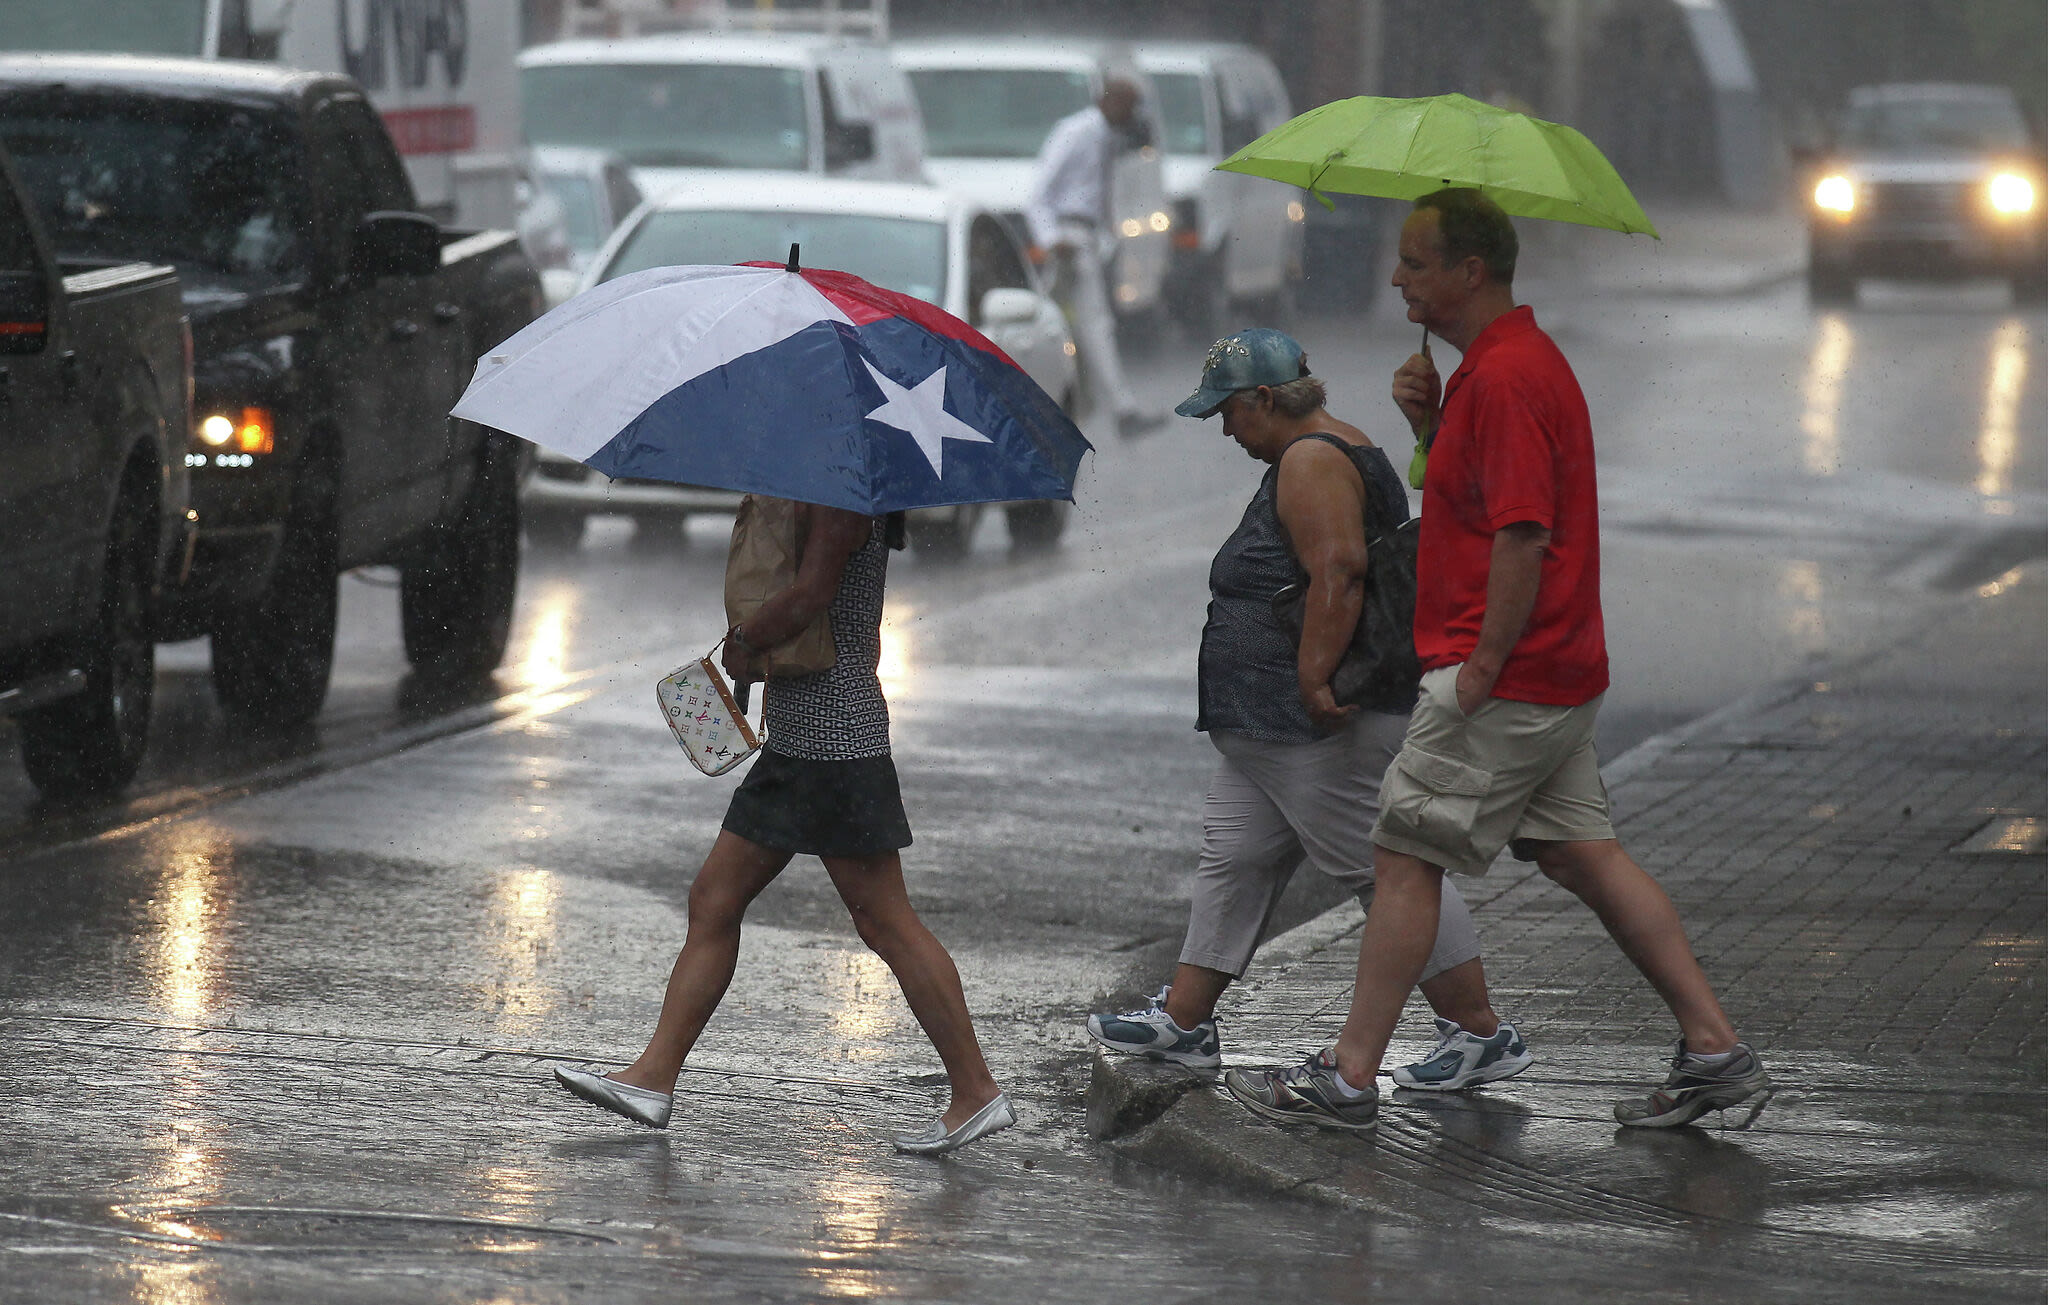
{"points": [[1245, 361]]}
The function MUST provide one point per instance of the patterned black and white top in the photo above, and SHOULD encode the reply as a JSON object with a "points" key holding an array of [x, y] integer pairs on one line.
{"points": [[1247, 676], [840, 714]]}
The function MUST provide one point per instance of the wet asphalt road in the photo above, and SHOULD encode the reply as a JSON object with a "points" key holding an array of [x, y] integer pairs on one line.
{"points": [[280, 1019]]}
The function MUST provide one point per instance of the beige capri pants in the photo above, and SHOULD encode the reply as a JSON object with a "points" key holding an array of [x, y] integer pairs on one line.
{"points": [[1272, 804]]}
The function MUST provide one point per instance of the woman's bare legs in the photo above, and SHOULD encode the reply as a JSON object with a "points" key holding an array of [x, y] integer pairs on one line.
{"points": [[872, 888], [733, 876]]}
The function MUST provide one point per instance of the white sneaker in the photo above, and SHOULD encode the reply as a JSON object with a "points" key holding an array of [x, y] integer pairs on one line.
{"points": [[1463, 1060], [1153, 1034]]}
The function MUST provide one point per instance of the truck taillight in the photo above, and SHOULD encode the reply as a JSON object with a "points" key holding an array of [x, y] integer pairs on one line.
{"points": [[253, 431]]}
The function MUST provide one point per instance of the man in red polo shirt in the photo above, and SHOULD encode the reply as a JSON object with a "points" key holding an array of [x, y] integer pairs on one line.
{"points": [[1514, 656]]}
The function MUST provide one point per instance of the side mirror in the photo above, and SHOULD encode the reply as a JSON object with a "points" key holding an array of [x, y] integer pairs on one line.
{"points": [[1008, 306], [849, 142], [24, 313], [558, 284], [395, 244]]}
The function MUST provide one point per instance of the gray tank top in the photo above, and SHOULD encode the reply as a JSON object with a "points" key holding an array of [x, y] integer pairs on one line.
{"points": [[1247, 678]]}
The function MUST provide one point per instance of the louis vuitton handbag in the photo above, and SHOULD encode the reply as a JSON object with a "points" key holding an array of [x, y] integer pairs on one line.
{"points": [[709, 725]]}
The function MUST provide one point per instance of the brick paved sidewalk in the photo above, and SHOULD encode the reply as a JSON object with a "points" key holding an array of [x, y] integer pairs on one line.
{"points": [[1862, 863]]}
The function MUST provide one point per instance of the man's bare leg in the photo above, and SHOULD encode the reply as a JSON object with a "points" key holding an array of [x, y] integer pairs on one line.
{"points": [[1639, 916], [1400, 930]]}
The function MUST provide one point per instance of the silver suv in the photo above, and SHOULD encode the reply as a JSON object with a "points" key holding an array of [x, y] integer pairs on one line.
{"points": [[1928, 180]]}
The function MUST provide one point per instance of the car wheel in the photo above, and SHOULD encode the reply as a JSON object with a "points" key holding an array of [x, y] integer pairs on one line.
{"points": [[663, 533], [455, 599], [272, 657], [945, 535], [1039, 523], [554, 529], [93, 742]]}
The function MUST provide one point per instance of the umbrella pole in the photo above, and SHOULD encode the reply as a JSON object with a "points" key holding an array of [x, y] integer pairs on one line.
{"points": [[1419, 460]]}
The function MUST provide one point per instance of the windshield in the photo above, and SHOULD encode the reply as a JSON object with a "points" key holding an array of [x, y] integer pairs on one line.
{"points": [[994, 113], [906, 255], [202, 185], [1971, 124], [579, 209], [106, 26], [1184, 122], [671, 115]]}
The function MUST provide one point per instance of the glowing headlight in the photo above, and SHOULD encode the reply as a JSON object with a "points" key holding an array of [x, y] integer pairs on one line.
{"points": [[1132, 227], [250, 431], [2011, 194], [1836, 194], [1161, 222]]}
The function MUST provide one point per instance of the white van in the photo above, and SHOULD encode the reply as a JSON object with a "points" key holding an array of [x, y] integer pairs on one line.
{"points": [[988, 105], [1236, 239], [673, 105], [439, 71]]}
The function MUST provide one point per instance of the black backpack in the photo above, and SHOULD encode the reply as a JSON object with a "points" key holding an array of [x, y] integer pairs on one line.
{"points": [[1379, 671]]}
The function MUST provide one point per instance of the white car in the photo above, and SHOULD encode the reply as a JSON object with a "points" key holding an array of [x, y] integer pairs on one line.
{"points": [[914, 239], [1236, 239], [988, 104]]}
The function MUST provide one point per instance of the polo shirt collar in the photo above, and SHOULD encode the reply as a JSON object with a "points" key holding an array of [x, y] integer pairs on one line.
{"points": [[1516, 321]]}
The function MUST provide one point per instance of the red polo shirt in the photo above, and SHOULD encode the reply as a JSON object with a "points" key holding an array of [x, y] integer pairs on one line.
{"points": [[1514, 443]]}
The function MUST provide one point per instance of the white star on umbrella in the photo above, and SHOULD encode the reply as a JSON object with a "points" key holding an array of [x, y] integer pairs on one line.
{"points": [[921, 413]]}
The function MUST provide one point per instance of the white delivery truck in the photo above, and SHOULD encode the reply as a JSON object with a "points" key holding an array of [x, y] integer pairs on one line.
{"points": [[440, 72]]}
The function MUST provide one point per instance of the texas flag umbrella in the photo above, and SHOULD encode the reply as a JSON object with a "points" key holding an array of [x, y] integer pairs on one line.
{"points": [[808, 385]]}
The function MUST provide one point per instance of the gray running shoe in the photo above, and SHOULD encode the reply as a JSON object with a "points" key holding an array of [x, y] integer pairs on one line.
{"points": [[1463, 1060], [1306, 1094], [1153, 1034], [1692, 1088]]}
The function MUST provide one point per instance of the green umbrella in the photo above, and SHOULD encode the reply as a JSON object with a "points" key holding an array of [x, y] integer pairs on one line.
{"points": [[1406, 148]]}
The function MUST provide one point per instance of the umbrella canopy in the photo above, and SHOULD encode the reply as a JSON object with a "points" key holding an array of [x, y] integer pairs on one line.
{"points": [[1406, 148], [809, 385]]}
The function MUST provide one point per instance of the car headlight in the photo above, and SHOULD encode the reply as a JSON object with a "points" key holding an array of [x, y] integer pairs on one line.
{"points": [[1835, 193], [2011, 194]]}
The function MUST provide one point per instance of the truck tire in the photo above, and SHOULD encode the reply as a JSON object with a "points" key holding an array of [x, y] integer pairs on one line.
{"points": [[92, 742], [554, 529], [1037, 524], [272, 657], [455, 599]]}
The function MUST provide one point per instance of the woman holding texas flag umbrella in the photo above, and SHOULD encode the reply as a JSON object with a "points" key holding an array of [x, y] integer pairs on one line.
{"points": [[857, 403]]}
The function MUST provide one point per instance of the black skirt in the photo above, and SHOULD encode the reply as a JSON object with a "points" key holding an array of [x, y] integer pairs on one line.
{"points": [[820, 808]]}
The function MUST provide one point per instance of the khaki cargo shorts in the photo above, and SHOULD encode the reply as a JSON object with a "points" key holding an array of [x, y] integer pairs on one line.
{"points": [[1463, 786]]}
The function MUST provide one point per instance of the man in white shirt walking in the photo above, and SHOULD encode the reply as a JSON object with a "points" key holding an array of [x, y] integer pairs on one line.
{"points": [[1070, 218]]}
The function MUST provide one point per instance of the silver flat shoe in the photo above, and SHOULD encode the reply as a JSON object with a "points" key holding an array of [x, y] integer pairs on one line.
{"points": [[641, 1105], [937, 1141]]}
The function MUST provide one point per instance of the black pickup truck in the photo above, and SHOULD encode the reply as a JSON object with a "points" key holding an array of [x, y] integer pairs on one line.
{"points": [[95, 370], [334, 326]]}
